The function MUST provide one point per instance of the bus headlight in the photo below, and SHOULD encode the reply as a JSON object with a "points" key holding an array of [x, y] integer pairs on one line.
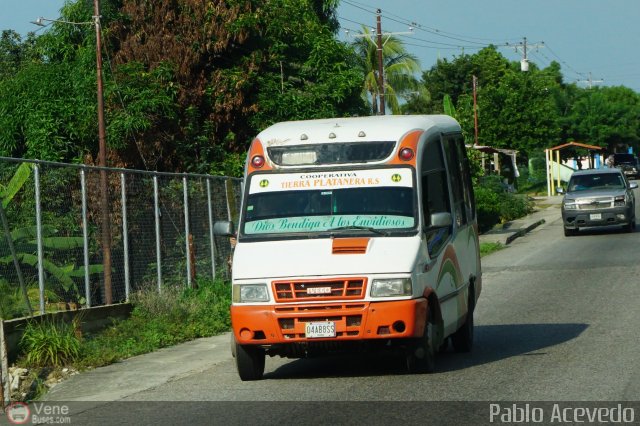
{"points": [[244, 293], [391, 287]]}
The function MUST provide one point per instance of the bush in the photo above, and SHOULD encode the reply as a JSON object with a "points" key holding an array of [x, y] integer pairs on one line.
{"points": [[487, 208], [514, 206], [158, 320], [50, 343], [494, 204]]}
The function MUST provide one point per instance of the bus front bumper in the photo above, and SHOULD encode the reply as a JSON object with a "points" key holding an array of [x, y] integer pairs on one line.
{"points": [[277, 324]]}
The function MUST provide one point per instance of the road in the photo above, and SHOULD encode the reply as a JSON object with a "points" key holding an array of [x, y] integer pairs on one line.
{"points": [[557, 321]]}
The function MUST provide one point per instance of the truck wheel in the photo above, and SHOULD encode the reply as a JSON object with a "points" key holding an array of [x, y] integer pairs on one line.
{"points": [[631, 226], [462, 339], [250, 362], [421, 355]]}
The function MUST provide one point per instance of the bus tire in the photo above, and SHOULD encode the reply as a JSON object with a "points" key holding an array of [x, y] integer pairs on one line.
{"points": [[462, 339], [250, 362], [421, 354]]}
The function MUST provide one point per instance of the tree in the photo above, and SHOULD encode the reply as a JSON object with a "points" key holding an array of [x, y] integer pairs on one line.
{"points": [[187, 83], [399, 68], [608, 117], [236, 67]]}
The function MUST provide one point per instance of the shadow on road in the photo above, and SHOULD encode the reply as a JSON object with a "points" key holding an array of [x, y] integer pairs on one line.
{"points": [[496, 342], [492, 343]]}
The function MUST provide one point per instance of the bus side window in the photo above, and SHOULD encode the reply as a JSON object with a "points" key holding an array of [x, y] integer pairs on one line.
{"points": [[435, 195], [456, 177]]}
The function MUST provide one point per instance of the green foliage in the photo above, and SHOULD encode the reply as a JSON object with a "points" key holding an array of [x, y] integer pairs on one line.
{"points": [[12, 304], [475, 163], [158, 320], [188, 84], [607, 117], [50, 343], [24, 241], [495, 205], [448, 106], [399, 67], [488, 248], [15, 183]]}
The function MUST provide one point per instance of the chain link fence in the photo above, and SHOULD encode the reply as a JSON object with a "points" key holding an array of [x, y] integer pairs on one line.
{"points": [[56, 255]]}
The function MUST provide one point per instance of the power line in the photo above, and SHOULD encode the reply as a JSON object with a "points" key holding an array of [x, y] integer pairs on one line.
{"points": [[563, 62], [440, 33], [590, 81]]}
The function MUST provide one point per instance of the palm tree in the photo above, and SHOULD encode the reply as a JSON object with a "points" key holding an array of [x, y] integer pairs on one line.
{"points": [[399, 68]]}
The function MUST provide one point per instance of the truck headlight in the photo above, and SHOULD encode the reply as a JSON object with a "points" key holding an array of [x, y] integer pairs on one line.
{"points": [[391, 287], [570, 204], [244, 293]]}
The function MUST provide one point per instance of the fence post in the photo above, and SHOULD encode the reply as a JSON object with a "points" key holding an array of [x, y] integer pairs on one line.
{"points": [[85, 239], [125, 236], [211, 239], [156, 204], [5, 378], [185, 193], [228, 188], [39, 238]]}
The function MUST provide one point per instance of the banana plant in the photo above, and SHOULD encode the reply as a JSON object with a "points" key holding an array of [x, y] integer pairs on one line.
{"points": [[448, 107], [21, 247], [6, 195]]}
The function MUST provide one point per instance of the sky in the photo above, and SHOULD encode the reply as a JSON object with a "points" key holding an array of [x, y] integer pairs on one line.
{"points": [[593, 40]]}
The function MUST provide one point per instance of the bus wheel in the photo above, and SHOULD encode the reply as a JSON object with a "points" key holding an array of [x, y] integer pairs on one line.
{"points": [[421, 355], [462, 339], [250, 361]]}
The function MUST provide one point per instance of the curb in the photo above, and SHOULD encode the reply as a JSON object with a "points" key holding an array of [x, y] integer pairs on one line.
{"points": [[523, 231]]}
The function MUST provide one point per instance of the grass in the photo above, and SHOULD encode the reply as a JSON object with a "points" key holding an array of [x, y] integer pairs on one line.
{"points": [[50, 343], [157, 320], [488, 248]]}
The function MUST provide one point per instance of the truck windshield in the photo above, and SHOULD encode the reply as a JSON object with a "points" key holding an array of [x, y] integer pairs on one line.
{"points": [[354, 200], [596, 181]]}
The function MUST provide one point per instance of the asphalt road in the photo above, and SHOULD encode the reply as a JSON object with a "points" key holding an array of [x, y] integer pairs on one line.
{"points": [[557, 320]]}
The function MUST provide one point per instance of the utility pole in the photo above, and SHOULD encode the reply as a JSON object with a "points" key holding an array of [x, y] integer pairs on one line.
{"points": [[590, 82], [380, 102], [475, 110], [381, 108], [102, 162], [524, 62], [102, 149]]}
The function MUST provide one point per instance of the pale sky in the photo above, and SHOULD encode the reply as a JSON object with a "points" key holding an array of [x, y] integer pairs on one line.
{"points": [[600, 37]]}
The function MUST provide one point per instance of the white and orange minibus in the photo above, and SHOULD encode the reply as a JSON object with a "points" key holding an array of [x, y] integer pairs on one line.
{"points": [[355, 233]]}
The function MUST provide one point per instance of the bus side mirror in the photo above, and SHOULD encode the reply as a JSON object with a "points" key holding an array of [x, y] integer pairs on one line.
{"points": [[224, 228], [441, 220]]}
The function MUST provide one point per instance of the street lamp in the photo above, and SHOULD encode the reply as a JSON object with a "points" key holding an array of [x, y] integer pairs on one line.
{"points": [[102, 151]]}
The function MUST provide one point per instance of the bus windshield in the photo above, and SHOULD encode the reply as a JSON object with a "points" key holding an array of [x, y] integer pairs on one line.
{"points": [[293, 203]]}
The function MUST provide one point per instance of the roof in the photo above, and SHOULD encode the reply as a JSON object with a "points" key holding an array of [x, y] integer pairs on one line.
{"points": [[353, 129], [578, 145]]}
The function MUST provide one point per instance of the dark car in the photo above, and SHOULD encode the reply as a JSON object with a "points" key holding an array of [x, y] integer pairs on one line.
{"points": [[628, 163], [598, 197]]}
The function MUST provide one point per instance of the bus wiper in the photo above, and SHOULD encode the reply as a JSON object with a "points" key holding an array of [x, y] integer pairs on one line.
{"points": [[359, 228]]}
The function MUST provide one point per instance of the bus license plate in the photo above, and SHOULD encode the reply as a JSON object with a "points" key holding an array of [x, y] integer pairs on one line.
{"points": [[595, 216], [320, 329]]}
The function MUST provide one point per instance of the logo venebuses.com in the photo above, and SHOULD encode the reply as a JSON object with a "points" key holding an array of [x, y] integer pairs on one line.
{"points": [[20, 413]]}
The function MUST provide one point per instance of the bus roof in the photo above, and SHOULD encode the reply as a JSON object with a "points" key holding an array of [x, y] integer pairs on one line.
{"points": [[352, 129]]}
